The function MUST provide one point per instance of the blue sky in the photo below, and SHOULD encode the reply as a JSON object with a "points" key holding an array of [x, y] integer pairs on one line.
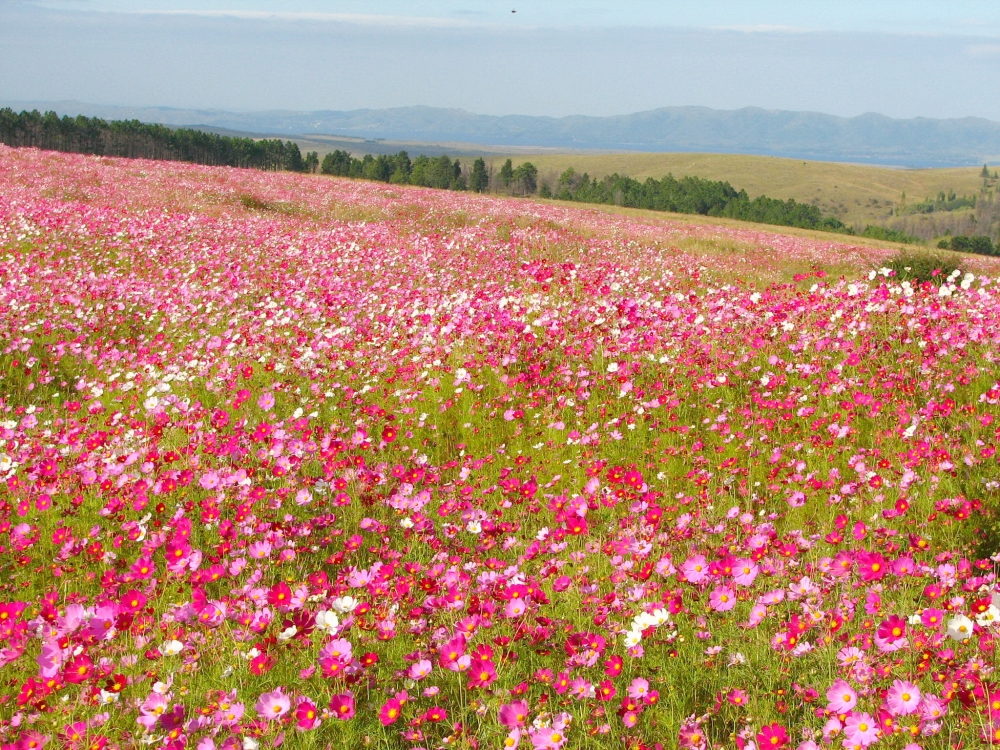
{"points": [[553, 57]]}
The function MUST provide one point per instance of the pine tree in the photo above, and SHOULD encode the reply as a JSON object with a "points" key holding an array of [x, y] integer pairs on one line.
{"points": [[507, 174], [479, 182]]}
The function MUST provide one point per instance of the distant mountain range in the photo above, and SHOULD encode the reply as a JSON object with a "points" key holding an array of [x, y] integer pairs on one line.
{"points": [[869, 138]]}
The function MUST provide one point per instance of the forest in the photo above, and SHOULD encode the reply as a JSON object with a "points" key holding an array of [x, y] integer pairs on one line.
{"points": [[135, 139]]}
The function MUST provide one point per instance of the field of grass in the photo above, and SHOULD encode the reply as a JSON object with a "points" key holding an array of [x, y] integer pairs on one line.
{"points": [[856, 194]]}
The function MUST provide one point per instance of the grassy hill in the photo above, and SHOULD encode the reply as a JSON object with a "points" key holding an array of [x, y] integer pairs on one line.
{"points": [[855, 194]]}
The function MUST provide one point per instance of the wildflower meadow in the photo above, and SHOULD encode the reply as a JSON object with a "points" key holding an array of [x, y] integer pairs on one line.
{"points": [[295, 461]]}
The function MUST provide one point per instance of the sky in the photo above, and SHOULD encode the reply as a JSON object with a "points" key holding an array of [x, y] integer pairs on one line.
{"points": [[902, 58]]}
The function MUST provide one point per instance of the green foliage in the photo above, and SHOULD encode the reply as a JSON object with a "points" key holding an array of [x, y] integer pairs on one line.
{"points": [[943, 202], [889, 235], [977, 244], [923, 267], [138, 140], [692, 195]]}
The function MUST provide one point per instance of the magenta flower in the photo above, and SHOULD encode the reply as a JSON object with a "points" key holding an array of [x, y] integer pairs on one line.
{"points": [[481, 673], [342, 706], [306, 715], [390, 712]]}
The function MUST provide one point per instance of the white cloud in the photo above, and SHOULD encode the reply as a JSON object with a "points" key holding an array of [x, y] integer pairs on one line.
{"points": [[983, 51], [351, 18]]}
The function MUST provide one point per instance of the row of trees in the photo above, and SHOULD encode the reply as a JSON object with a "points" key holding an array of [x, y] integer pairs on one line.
{"points": [[134, 139], [979, 244], [436, 172], [692, 195]]}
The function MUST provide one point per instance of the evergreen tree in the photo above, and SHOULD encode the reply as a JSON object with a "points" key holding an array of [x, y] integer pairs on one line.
{"points": [[479, 182], [526, 175], [507, 174]]}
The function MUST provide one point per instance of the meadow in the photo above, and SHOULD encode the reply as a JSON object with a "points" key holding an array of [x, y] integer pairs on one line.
{"points": [[294, 461]]}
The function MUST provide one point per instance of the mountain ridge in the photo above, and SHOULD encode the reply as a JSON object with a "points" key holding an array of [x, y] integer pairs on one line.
{"points": [[867, 138]]}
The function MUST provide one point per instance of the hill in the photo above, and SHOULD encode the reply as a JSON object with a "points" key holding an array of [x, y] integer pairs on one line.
{"points": [[868, 138]]}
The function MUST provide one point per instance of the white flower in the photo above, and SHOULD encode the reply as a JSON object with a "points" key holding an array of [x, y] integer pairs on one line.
{"points": [[171, 648], [345, 604], [632, 638], [643, 621], [6, 462], [613, 367], [406, 523], [288, 633], [990, 617], [474, 527], [107, 697], [249, 743], [151, 403], [960, 628], [327, 621], [661, 616]]}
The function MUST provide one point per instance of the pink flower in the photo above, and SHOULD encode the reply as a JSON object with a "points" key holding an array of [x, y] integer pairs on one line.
{"points": [[273, 705], [266, 401], [903, 698], [861, 728], [420, 670], [745, 572], [514, 714], [695, 569], [841, 697], [638, 688], [722, 599]]}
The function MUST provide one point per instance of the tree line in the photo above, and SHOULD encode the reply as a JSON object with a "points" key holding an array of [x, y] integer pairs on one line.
{"points": [[692, 195], [135, 139]]}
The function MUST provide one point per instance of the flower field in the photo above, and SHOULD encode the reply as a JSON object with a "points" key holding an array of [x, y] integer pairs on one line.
{"points": [[303, 462]]}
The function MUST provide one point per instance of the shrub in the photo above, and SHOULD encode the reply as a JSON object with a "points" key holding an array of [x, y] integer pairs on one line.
{"points": [[977, 244], [889, 235], [921, 267]]}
